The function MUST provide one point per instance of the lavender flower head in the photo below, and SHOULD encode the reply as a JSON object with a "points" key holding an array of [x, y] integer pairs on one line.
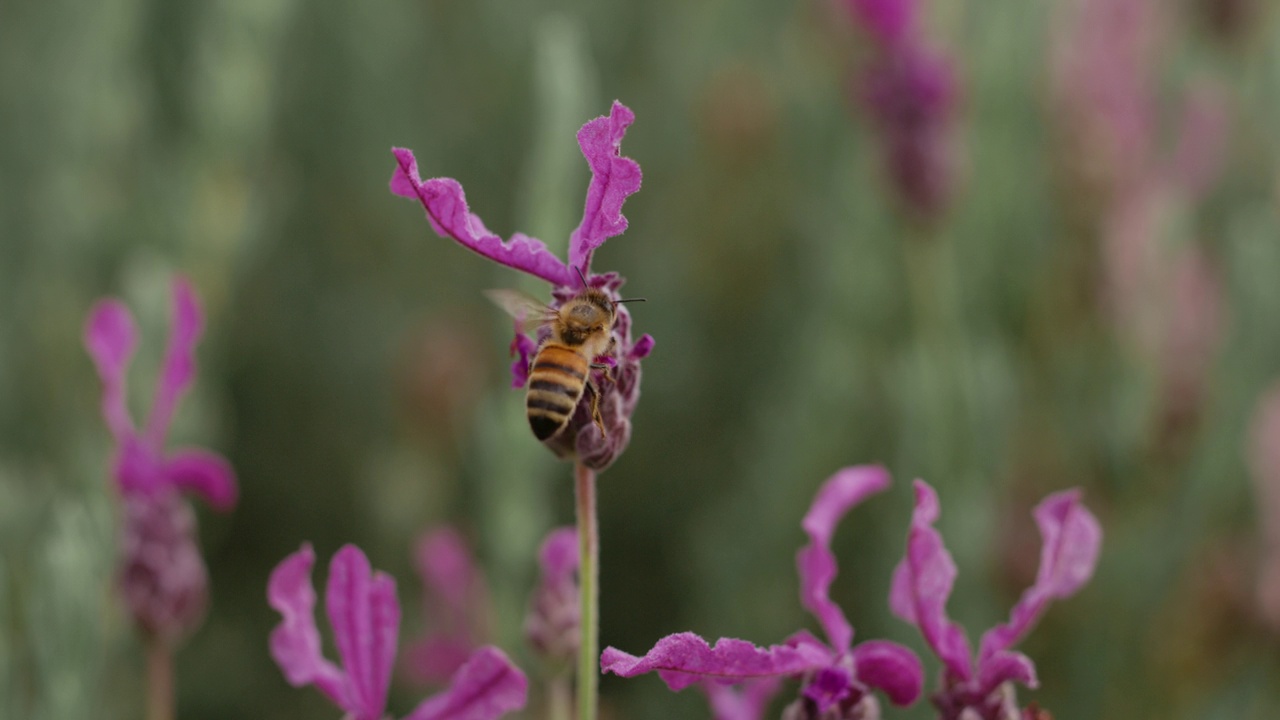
{"points": [[162, 574], [613, 179], [837, 676], [365, 616], [911, 92], [981, 688], [553, 625], [455, 601]]}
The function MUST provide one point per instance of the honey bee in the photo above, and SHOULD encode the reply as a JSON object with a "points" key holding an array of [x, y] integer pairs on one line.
{"points": [[581, 331]]}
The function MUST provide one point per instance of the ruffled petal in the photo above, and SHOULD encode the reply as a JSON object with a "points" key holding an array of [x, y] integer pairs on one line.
{"points": [[295, 642], [684, 659], [890, 667], [206, 474], [365, 615], [815, 562], [747, 702], [488, 686], [1006, 666], [447, 211], [111, 336], [613, 178], [179, 368], [922, 584], [1072, 538]]}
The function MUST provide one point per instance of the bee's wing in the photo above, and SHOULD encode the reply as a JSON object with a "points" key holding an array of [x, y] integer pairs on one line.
{"points": [[529, 311]]}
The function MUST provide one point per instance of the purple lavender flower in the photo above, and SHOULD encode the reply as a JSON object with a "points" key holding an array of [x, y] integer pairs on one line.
{"points": [[365, 616], [613, 179], [162, 575], [456, 601], [553, 625], [837, 675], [981, 688], [910, 92]]}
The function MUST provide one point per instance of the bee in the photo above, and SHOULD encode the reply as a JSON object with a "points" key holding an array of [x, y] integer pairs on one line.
{"points": [[581, 331]]}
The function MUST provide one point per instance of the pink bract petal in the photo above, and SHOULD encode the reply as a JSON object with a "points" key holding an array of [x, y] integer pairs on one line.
{"points": [[643, 347], [110, 335], [684, 659], [295, 642], [1072, 538], [523, 349], [815, 562], [446, 208], [558, 555], [749, 702], [365, 615], [613, 178], [488, 686], [922, 584], [447, 568], [890, 667], [204, 473], [179, 368], [1006, 666]]}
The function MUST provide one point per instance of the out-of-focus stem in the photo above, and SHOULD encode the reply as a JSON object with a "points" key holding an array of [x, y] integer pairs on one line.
{"points": [[589, 575], [559, 700], [159, 680]]}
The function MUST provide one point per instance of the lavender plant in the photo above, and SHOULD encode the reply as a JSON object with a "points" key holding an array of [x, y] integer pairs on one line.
{"points": [[365, 616], [455, 598], [981, 687], [162, 576], [594, 448], [838, 677]]}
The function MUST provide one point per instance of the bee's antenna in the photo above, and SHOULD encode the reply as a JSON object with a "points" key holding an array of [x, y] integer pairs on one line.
{"points": [[581, 277], [626, 300]]}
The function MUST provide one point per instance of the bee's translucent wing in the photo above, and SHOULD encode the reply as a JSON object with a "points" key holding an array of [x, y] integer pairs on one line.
{"points": [[529, 311]]}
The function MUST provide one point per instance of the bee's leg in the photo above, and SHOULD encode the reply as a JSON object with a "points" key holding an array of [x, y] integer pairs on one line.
{"points": [[608, 370], [595, 406]]}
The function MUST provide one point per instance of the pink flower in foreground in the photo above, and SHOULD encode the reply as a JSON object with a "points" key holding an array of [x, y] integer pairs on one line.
{"points": [[613, 179], [365, 617], [980, 688], [838, 676], [455, 603], [162, 574]]}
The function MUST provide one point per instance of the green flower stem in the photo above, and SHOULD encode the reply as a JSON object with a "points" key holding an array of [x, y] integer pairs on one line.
{"points": [[589, 576], [159, 680]]}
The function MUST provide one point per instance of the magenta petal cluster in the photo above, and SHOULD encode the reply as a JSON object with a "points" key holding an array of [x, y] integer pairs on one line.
{"points": [[613, 179], [922, 584], [365, 616], [162, 574], [455, 600], [838, 675]]}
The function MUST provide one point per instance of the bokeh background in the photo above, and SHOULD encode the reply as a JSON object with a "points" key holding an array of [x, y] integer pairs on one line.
{"points": [[1096, 306]]}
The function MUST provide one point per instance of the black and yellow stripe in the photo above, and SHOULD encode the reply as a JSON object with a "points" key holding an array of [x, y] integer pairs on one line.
{"points": [[556, 382]]}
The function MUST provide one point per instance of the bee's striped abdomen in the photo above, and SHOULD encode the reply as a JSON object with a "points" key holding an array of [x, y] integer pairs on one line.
{"points": [[555, 387]]}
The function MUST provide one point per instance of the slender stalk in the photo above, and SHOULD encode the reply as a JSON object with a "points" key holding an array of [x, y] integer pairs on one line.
{"points": [[559, 698], [159, 680], [589, 577]]}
